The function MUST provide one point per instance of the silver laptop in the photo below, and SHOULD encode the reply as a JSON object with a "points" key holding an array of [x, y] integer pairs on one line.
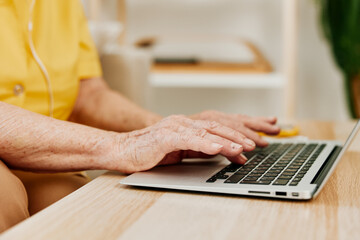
{"points": [[284, 169]]}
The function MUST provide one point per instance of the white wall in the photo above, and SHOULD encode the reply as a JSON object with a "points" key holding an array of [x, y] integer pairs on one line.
{"points": [[319, 86]]}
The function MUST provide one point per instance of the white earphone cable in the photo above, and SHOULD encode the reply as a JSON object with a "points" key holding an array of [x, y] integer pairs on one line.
{"points": [[39, 62]]}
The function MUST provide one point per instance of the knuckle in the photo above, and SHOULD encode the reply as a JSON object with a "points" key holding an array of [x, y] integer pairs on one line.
{"points": [[178, 128], [236, 134], [201, 133], [213, 125], [240, 125]]}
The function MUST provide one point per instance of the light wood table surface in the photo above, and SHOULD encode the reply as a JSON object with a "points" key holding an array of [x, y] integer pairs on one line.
{"points": [[104, 209]]}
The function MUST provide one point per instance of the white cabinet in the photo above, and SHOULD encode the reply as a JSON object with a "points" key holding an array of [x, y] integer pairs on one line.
{"points": [[282, 78]]}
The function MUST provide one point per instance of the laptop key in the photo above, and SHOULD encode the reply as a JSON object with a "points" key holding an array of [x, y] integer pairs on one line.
{"points": [[248, 182], [261, 182], [232, 167], [288, 174], [253, 182], [249, 155], [267, 178], [281, 182], [282, 177], [222, 172], [251, 178], [269, 174], [257, 175], [234, 179], [211, 180], [256, 182], [277, 168], [222, 176]]}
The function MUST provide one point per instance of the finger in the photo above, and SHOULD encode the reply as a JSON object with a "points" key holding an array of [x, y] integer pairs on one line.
{"points": [[229, 149], [218, 129], [262, 126], [184, 137], [200, 140], [191, 139], [254, 136], [271, 120], [259, 141], [178, 156], [240, 159]]}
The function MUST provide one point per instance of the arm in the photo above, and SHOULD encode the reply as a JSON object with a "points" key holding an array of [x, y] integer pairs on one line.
{"points": [[99, 106], [30, 141]]}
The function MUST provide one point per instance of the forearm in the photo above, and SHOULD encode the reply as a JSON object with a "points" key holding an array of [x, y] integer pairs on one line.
{"points": [[99, 106], [30, 141]]}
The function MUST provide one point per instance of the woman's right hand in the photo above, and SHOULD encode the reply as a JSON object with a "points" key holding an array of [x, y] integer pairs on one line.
{"points": [[175, 138]]}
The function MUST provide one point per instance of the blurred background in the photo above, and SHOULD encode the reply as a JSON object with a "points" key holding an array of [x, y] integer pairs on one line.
{"points": [[256, 57]]}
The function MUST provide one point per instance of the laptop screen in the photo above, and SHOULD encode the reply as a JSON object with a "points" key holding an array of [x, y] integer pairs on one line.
{"points": [[354, 141], [350, 145]]}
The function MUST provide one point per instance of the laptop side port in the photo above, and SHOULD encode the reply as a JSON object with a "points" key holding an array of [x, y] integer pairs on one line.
{"points": [[295, 194], [280, 193], [259, 192]]}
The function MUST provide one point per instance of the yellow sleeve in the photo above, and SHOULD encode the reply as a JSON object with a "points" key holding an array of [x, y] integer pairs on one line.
{"points": [[88, 63]]}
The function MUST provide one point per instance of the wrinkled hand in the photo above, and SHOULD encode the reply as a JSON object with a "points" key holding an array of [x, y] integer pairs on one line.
{"points": [[248, 126], [178, 137]]}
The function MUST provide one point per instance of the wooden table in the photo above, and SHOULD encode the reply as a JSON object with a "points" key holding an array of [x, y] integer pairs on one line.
{"points": [[103, 209]]}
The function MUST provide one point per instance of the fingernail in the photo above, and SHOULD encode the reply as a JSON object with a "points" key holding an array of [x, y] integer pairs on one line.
{"points": [[235, 146], [216, 146], [243, 157], [249, 142]]}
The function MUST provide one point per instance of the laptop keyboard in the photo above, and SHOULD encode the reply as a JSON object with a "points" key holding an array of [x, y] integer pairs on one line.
{"points": [[277, 164]]}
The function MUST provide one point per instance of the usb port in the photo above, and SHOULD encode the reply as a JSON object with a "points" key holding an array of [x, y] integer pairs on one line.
{"points": [[295, 194], [280, 193]]}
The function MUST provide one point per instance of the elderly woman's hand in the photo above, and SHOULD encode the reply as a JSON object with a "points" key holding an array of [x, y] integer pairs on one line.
{"points": [[249, 126], [178, 137]]}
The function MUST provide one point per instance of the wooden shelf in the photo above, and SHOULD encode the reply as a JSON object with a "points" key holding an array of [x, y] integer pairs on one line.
{"points": [[273, 80], [285, 80], [257, 64]]}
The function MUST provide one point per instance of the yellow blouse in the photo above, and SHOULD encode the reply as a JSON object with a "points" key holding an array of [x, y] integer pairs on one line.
{"points": [[62, 42]]}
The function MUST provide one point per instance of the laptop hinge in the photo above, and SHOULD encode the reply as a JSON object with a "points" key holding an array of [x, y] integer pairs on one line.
{"points": [[321, 174]]}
